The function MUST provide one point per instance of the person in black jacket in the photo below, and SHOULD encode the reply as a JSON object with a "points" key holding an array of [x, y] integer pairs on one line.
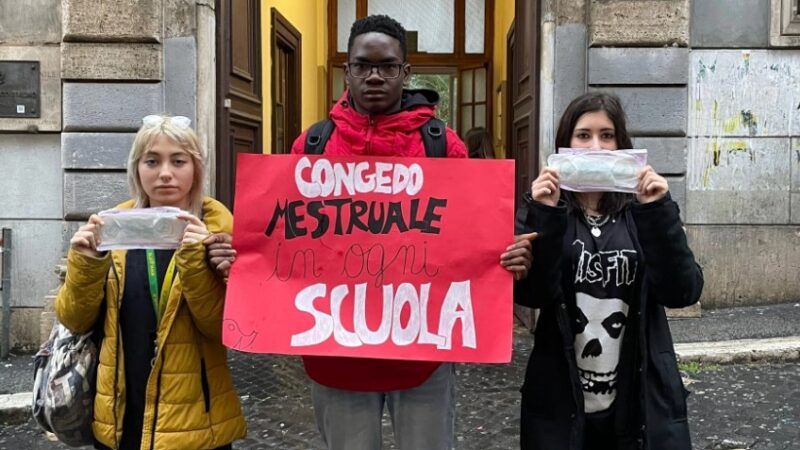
{"points": [[603, 373]]}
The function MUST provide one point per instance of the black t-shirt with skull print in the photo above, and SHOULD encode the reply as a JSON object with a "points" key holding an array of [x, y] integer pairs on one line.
{"points": [[605, 269]]}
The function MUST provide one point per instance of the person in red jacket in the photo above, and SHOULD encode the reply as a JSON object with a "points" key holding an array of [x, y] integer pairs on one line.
{"points": [[377, 117]]}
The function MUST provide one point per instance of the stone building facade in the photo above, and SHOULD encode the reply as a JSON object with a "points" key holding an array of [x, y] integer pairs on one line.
{"points": [[712, 89], [104, 65]]}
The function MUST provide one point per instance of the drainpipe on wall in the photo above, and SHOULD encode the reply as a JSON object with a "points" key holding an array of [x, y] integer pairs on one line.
{"points": [[547, 82], [546, 91], [206, 112], [5, 290]]}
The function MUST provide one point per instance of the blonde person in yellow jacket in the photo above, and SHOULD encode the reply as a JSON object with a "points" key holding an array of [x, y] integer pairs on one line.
{"points": [[162, 382]]}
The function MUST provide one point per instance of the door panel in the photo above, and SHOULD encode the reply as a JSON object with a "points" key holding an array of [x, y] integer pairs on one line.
{"points": [[286, 76], [522, 107], [239, 91], [523, 64]]}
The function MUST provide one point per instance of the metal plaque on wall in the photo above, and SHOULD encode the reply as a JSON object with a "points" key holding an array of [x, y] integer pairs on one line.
{"points": [[19, 89]]}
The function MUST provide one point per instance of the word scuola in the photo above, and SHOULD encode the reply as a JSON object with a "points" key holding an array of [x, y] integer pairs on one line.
{"points": [[456, 308], [373, 217]]}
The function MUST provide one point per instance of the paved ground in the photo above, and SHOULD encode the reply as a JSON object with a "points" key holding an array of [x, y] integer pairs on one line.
{"points": [[732, 407], [750, 322]]}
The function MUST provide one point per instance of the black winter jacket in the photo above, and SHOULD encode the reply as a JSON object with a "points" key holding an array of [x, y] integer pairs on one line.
{"points": [[650, 406]]}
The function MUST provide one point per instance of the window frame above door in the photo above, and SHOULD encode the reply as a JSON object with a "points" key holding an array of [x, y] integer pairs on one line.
{"points": [[456, 61]]}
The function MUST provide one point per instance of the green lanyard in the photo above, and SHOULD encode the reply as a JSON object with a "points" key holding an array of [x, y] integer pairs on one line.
{"points": [[159, 301]]}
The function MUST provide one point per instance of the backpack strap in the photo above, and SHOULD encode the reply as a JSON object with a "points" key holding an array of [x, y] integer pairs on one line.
{"points": [[317, 136], [434, 138]]}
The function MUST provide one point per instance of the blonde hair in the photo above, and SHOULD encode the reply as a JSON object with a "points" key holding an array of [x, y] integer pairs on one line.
{"points": [[186, 138]]}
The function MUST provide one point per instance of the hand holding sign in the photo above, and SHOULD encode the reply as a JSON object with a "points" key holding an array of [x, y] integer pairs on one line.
{"points": [[220, 253], [518, 256]]}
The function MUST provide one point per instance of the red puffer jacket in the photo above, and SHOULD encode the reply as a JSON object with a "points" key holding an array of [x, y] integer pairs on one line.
{"points": [[393, 135]]}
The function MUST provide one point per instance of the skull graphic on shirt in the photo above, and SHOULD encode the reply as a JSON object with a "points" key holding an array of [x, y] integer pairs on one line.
{"points": [[600, 328]]}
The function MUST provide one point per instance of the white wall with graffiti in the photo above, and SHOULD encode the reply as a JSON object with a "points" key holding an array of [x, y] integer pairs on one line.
{"points": [[743, 130]]}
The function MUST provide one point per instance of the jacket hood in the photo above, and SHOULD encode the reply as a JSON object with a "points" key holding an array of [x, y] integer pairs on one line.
{"points": [[418, 97], [417, 107]]}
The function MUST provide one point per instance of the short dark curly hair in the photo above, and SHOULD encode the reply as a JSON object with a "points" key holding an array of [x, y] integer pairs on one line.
{"points": [[379, 24]]}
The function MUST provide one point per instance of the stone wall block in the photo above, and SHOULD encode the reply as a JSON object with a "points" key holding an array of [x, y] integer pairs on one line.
{"points": [[741, 181], [571, 12], [730, 23], [110, 106], [794, 163], [30, 22], [180, 76], [737, 207], [95, 150], [795, 205], [86, 193], [31, 176], [570, 66], [35, 251], [638, 66], [640, 23], [49, 88], [677, 189], [666, 155], [89, 61], [25, 328], [747, 265], [181, 18], [744, 93], [652, 111], [128, 21]]}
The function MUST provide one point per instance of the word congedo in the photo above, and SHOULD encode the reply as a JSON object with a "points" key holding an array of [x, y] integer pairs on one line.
{"points": [[328, 178]]}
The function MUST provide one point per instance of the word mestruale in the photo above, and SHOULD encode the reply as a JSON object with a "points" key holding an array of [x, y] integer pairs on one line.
{"points": [[344, 215]]}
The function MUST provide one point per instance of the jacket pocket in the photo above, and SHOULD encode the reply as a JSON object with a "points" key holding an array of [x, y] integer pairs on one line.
{"points": [[204, 384]]}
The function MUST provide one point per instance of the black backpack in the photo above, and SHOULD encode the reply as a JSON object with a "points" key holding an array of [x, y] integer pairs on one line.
{"points": [[433, 137]]}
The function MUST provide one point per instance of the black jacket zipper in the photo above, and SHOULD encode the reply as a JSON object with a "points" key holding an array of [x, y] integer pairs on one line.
{"points": [[204, 384]]}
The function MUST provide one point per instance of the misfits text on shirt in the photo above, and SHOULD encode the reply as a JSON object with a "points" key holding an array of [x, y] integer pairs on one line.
{"points": [[603, 286]]}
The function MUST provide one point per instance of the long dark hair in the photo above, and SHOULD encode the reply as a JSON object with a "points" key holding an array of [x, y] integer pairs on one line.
{"points": [[479, 143], [611, 203]]}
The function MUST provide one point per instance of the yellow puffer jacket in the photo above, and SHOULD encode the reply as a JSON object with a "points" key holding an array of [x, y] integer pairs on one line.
{"points": [[190, 398]]}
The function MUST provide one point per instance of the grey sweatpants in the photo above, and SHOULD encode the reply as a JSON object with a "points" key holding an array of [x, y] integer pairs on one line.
{"points": [[422, 417]]}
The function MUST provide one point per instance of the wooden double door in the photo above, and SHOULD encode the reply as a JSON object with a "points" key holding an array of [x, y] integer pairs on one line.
{"points": [[239, 89]]}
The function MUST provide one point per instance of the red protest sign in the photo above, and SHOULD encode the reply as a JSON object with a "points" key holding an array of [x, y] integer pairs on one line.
{"points": [[393, 258]]}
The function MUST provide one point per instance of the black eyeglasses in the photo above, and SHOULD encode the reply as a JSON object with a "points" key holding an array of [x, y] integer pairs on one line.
{"points": [[385, 70]]}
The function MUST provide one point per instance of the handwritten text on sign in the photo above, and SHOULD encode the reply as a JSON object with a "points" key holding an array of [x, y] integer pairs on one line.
{"points": [[377, 257]]}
